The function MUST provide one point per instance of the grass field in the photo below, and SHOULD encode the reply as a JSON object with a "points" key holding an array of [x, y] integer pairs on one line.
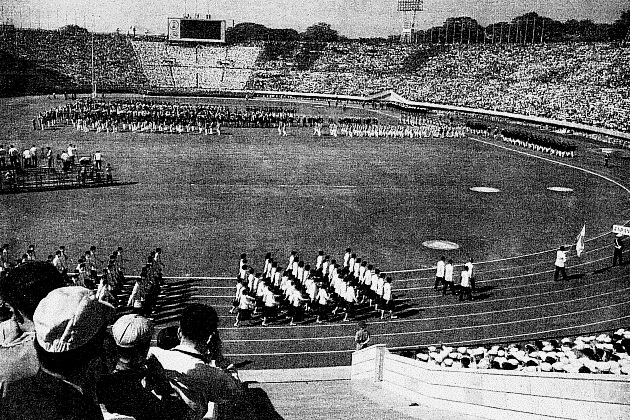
{"points": [[206, 199]]}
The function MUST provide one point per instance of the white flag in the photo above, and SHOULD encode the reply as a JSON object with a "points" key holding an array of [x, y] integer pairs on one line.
{"points": [[579, 246]]}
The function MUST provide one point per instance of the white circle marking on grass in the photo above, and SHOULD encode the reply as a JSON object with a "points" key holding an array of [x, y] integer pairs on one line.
{"points": [[441, 245], [560, 189], [484, 189]]}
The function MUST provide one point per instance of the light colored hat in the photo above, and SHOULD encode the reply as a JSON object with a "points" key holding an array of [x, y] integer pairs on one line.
{"points": [[462, 350], [501, 353], [558, 367], [484, 364], [132, 330], [571, 368], [68, 317], [422, 356], [432, 349], [603, 366], [448, 362], [545, 367]]}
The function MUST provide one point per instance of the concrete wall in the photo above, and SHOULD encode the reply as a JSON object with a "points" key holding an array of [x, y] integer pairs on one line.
{"points": [[367, 364], [498, 394]]}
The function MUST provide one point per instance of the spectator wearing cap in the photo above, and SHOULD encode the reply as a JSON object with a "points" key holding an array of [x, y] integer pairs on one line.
{"points": [[138, 387], [21, 290], [192, 369], [70, 329]]}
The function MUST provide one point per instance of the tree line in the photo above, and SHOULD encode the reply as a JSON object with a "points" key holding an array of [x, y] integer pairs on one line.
{"points": [[529, 28]]}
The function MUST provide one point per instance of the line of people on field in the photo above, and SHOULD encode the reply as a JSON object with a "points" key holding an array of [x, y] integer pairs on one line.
{"points": [[107, 277], [300, 290], [444, 279]]}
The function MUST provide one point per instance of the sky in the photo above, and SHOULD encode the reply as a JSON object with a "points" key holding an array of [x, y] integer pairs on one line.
{"points": [[352, 18]]}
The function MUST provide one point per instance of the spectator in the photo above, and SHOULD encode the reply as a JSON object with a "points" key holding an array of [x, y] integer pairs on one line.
{"points": [[362, 336], [21, 290], [70, 328], [137, 387], [189, 367]]}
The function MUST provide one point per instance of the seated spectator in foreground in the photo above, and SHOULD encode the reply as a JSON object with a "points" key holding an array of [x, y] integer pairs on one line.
{"points": [[70, 329], [192, 371], [21, 290], [137, 388]]}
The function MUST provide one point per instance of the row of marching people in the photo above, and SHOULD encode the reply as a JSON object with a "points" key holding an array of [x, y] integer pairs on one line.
{"points": [[300, 291]]}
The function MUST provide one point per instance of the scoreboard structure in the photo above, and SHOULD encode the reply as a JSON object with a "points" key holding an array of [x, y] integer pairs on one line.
{"points": [[196, 30]]}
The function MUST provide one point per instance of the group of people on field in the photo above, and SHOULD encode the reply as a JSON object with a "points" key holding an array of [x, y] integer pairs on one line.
{"points": [[300, 290], [445, 281], [105, 276]]}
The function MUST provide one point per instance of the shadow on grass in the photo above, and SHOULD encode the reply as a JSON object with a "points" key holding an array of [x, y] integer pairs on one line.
{"points": [[261, 405]]}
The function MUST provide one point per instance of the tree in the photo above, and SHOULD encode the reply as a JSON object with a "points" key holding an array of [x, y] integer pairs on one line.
{"points": [[619, 29], [73, 29], [246, 32], [320, 32]]}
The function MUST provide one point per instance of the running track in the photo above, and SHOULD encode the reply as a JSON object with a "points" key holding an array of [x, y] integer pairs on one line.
{"points": [[517, 300]]}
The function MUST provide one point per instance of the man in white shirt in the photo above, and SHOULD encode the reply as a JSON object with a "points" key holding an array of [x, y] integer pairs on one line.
{"points": [[194, 366], [561, 259], [471, 274], [269, 303], [388, 299], [439, 273], [448, 278], [464, 286]]}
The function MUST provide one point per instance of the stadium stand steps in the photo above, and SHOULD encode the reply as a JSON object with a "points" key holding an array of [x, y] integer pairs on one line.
{"points": [[173, 297]]}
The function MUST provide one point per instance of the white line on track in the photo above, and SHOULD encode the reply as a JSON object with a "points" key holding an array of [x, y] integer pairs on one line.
{"points": [[447, 317], [405, 321], [489, 339]]}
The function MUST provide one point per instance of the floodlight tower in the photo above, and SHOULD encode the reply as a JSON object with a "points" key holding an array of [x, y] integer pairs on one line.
{"points": [[409, 8]]}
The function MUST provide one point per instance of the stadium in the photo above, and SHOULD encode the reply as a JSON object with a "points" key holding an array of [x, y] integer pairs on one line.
{"points": [[461, 192]]}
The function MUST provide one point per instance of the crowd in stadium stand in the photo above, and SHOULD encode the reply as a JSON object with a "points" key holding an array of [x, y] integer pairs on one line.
{"points": [[582, 83], [585, 83], [58, 359], [69, 54], [318, 291], [196, 67], [607, 353]]}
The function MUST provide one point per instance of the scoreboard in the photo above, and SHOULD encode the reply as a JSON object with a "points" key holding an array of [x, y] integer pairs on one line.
{"points": [[196, 30]]}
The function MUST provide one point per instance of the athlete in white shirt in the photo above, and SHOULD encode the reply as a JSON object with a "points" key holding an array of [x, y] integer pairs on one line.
{"points": [[439, 273], [388, 299]]}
